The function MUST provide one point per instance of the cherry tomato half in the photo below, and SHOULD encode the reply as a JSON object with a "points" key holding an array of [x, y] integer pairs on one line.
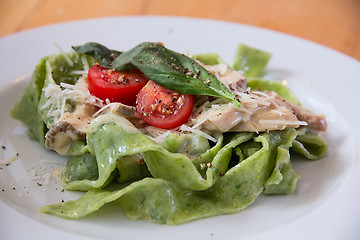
{"points": [[117, 86], [163, 108]]}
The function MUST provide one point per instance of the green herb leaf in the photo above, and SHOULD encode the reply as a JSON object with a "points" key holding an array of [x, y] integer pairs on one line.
{"points": [[101, 53], [167, 68]]}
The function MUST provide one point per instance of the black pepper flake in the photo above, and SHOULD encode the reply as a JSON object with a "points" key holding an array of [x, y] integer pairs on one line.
{"points": [[221, 174], [3, 147], [3, 190], [14, 188], [141, 161], [185, 70], [17, 154], [62, 190], [62, 200], [39, 184]]}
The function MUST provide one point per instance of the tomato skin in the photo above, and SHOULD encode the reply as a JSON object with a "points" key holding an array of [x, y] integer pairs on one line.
{"points": [[163, 108], [117, 86]]}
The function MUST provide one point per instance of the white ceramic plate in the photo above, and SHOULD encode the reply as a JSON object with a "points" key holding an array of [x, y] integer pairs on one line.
{"points": [[325, 204]]}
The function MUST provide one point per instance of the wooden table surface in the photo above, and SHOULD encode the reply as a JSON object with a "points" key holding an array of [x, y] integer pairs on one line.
{"points": [[333, 23]]}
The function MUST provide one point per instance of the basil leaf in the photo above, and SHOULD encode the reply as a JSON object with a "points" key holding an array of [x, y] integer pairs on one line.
{"points": [[167, 68], [101, 53]]}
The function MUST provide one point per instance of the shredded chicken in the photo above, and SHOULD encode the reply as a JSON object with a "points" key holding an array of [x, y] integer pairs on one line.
{"points": [[253, 116], [314, 120], [234, 80], [260, 111]]}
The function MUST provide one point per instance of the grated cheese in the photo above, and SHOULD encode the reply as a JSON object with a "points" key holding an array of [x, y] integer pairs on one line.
{"points": [[108, 105], [57, 97], [281, 122], [198, 132], [8, 161], [85, 63], [66, 57], [46, 179], [79, 72], [199, 122], [50, 161], [158, 139]]}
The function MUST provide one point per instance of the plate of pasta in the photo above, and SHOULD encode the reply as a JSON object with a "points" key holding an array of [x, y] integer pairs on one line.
{"points": [[201, 136]]}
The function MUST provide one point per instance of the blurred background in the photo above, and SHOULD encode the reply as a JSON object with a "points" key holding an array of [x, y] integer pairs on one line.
{"points": [[333, 23]]}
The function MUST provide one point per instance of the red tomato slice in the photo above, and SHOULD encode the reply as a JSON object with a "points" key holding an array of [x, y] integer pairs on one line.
{"points": [[163, 108], [117, 86]]}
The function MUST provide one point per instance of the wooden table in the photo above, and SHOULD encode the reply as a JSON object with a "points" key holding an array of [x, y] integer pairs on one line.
{"points": [[333, 23]]}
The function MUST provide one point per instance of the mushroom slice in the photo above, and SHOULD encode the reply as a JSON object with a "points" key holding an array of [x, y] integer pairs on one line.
{"points": [[70, 127], [126, 111]]}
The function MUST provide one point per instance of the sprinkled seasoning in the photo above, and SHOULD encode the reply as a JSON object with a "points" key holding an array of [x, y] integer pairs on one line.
{"points": [[141, 161]]}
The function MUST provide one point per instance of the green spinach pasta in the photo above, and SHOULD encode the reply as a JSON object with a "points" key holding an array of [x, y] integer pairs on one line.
{"points": [[198, 138]]}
